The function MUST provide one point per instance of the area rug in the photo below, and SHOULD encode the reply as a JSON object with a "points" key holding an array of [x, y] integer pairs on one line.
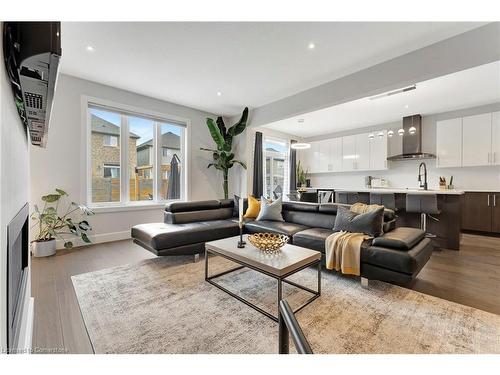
{"points": [[164, 305]]}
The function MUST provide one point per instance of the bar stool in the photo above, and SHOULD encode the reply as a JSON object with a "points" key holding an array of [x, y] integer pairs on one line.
{"points": [[309, 197], [388, 200], [351, 197], [426, 206]]}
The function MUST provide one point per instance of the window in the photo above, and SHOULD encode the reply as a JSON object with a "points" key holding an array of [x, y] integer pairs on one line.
{"points": [[275, 167], [110, 140], [112, 171], [147, 167]]}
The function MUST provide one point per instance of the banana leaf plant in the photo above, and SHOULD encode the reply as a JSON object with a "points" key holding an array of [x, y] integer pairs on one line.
{"points": [[223, 157], [54, 225]]}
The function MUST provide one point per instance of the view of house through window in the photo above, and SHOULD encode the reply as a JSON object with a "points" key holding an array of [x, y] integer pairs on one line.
{"points": [[105, 155], [141, 159], [275, 167], [141, 177]]}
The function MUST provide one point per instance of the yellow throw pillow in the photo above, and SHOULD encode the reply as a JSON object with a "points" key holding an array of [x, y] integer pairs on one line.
{"points": [[253, 208]]}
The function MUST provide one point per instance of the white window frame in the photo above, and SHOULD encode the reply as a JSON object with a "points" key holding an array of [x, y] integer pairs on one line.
{"points": [[159, 118]]}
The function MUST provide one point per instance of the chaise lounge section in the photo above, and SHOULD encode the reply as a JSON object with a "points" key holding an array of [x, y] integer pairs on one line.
{"points": [[396, 257]]}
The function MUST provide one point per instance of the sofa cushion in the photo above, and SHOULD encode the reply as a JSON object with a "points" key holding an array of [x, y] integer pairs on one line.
{"points": [[369, 223], [197, 216], [401, 238], [312, 238], [280, 227], [310, 219], [270, 211], [300, 206], [192, 206], [389, 225], [406, 261], [332, 208], [164, 236]]}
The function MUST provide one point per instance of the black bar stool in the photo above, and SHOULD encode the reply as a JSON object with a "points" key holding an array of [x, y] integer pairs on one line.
{"points": [[426, 206], [351, 197], [388, 200]]}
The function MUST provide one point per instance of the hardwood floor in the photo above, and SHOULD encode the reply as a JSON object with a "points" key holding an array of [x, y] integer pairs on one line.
{"points": [[470, 277], [58, 325]]}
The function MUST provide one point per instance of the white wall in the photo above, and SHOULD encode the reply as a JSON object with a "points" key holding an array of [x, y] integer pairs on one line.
{"points": [[61, 164], [404, 173], [14, 183]]}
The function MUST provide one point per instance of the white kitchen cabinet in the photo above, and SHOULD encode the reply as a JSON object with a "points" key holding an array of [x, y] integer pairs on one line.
{"points": [[305, 157], [449, 143], [362, 152], [495, 138], [335, 164], [349, 153], [476, 140], [312, 165], [378, 150], [323, 155]]}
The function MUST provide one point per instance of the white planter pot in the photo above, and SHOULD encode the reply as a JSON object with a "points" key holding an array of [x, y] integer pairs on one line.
{"points": [[43, 248]]}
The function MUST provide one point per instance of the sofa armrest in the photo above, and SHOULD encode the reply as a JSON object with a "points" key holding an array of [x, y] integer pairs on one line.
{"points": [[402, 238]]}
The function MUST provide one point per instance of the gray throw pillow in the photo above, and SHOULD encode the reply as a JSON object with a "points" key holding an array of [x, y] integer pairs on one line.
{"points": [[270, 211], [369, 223]]}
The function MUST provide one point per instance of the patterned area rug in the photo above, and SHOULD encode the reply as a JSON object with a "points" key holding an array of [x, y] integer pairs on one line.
{"points": [[164, 305]]}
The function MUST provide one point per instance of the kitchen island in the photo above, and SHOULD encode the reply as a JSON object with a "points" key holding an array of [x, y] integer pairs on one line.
{"points": [[447, 229]]}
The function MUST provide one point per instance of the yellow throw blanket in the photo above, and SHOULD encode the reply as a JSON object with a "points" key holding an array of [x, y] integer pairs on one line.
{"points": [[343, 249]]}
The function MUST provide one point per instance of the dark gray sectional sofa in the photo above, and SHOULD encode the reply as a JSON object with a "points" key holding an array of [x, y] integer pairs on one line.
{"points": [[397, 256]]}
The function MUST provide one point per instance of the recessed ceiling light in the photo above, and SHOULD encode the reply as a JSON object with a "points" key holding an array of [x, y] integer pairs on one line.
{"points": [[311, 46], [90, 49], [407, 106], [219, 93]]}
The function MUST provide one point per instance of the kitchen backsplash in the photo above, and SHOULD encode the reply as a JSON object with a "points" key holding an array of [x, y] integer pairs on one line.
{"points": [[405, 173]]}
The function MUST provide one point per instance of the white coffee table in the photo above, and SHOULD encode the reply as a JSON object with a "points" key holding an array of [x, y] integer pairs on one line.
{"points": [[291, 259]]}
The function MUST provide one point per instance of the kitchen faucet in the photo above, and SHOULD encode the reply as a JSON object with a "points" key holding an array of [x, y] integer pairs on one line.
{"points": [[424, 185]]}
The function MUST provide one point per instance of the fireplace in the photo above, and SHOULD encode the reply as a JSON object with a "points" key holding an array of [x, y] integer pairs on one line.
{"points": [[17, 274]]}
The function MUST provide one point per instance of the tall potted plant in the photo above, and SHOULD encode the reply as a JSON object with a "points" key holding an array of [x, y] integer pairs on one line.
{"points": [[223, 157], [54, 225]]}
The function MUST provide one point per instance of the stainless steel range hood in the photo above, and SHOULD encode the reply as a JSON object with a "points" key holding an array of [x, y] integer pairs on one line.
{"points": [[412, 140]]}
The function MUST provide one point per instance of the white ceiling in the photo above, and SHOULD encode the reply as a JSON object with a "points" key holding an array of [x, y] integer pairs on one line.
{"points": [[251, 64], [468, 88]]}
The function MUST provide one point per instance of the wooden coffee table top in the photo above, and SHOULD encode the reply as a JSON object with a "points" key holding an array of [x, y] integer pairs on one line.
{"points": [[289, 259]]}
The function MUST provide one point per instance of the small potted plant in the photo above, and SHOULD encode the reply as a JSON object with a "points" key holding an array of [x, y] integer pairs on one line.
{"points": [[301, 177], [53, 225]]}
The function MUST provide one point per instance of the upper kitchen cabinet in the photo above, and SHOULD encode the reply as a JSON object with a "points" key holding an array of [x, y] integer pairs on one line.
{"points": [[359, 152], [449, 143], [363, 151], [323, 158], [349, 153], [378, 150], [309, 158], [469, 141], [476, 140], [495, 138], [335, 164]]}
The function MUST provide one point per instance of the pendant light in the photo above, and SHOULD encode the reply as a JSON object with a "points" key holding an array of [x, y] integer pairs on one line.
{"points": [[300, 145]]}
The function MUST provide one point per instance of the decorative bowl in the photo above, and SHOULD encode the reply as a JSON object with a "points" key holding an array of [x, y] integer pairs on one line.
{"points": [[268, 242]]}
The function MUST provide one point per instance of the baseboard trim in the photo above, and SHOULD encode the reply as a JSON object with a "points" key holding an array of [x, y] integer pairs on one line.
{"points": [[97, 238], [24, 342]]}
